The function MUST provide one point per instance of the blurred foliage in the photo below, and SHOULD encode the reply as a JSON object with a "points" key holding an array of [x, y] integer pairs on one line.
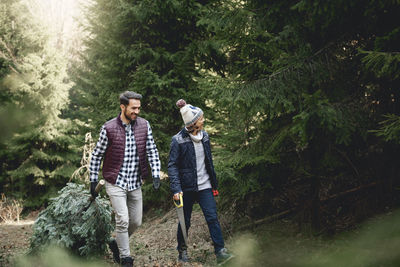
{"points": [[56, 257], [372, 243]]}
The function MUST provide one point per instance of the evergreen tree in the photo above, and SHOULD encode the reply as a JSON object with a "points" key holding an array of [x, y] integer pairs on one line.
{"points": [[144, 46], [296, 94], [39, 156]]}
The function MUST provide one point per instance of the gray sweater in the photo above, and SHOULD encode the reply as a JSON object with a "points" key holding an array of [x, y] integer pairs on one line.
{"points": [[203, 179]]}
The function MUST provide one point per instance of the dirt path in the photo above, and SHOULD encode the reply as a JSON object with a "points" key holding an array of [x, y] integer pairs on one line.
{"points": [[154, 243]]}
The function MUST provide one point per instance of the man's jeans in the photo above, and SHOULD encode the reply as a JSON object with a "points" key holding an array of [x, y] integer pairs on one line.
{"points": [[207, 203], [128, 209]]}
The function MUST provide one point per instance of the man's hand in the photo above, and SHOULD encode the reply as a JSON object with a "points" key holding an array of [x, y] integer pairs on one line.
{"points": [[156, 183], [93, 189]]}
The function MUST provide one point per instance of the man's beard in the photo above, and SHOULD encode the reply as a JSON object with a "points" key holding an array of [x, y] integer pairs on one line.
{"points": [[128, 117]]}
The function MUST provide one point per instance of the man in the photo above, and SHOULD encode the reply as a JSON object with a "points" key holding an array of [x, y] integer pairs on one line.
{"points": [[127, 145], [191, 173]]}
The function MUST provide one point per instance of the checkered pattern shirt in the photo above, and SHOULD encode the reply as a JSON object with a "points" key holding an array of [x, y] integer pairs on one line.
{"points": [[128, 176]]}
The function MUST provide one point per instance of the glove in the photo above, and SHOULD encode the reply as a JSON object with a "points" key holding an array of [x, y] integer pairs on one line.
{"points": [[93, 189], [156, 183], [215, 192]]}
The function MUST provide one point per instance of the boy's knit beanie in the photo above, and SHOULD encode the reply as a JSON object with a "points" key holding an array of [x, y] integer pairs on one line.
{"points": [[190, 114]]}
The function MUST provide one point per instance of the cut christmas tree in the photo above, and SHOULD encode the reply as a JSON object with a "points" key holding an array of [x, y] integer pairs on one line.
{"points": [[75, 222]]}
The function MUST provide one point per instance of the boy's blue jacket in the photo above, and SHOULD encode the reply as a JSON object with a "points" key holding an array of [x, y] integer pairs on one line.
{"points": [[182, 169]]}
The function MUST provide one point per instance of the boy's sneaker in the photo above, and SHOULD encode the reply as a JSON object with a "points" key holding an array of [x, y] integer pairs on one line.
{"points": [[223, 256], [127, 262], [183, 256]]}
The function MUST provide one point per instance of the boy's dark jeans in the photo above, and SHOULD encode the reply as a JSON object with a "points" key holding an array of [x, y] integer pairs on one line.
{"points": [[207, 203]]}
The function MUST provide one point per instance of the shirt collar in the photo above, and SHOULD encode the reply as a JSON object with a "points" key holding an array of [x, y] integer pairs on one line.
{"points": [[126, 126]]}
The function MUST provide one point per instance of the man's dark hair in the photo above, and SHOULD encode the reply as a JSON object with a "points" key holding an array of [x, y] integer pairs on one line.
{"points": [[125, 96]]}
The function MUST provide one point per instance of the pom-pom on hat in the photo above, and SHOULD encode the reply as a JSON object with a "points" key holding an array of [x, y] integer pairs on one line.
{"points": [[190, 114]]}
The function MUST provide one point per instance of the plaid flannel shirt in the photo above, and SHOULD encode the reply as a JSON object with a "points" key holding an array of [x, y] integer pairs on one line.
{"points": [[128, 176]]}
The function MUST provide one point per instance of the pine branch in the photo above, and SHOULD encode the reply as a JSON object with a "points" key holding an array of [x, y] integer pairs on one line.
{"points": [[309, 64], [383, 64]]}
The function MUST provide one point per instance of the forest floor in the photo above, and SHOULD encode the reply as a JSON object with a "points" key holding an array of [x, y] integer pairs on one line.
{"points": [[14, 240], [153, 244], [278, 243]]}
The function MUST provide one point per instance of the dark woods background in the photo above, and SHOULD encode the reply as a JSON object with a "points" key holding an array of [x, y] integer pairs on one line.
{"points": [[301, 99]]}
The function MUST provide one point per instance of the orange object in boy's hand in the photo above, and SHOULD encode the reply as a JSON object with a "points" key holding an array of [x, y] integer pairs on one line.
{"points": [[215, 192]]}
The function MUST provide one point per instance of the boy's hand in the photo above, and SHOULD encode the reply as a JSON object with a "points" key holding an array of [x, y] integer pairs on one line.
{"points": [[176, 196]]}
